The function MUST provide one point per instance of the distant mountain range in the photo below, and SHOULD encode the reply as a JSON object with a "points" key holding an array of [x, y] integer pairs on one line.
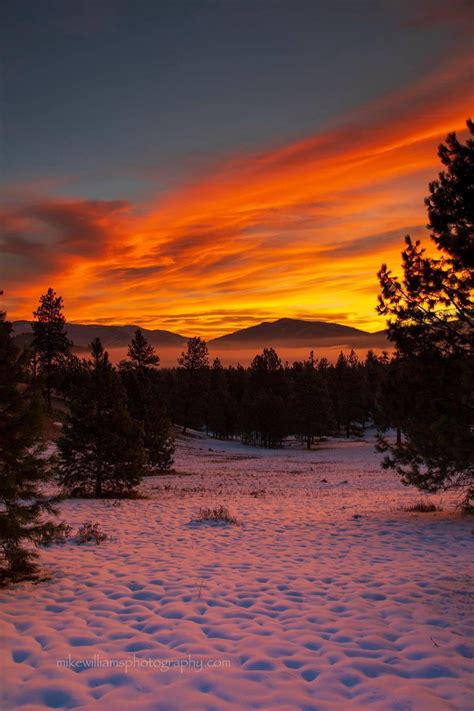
{"points": [[295, 332], [111, 336], [283, 332]]}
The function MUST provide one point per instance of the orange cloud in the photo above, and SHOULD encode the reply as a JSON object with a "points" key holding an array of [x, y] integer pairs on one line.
{"points": [[298, 229]]}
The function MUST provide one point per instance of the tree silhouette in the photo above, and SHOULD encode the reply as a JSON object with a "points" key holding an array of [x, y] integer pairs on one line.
{"points": [[431, 307], [431, 321], [145, 403], [194, 365], [348, 395], [100, 449], [311, 403], [141, 353], [221, 408], [50, 340], [23, 467]]}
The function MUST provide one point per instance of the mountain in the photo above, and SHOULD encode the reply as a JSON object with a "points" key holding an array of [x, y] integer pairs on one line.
{"points": [[297, 333], [287, 332], [111, 336]]}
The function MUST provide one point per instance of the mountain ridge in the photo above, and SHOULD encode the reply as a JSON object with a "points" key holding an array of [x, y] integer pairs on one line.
{"points": [[281, 332], [299, 332], [111, 336]]}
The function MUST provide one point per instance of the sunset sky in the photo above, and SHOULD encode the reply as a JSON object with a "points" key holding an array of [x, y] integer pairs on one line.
{"points": [[203, 165]]}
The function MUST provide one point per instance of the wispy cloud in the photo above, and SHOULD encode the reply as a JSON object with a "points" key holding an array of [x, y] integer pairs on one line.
{"points": [[296, 229]]}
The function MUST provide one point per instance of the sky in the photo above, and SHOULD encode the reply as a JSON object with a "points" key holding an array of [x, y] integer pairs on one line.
{"points": [[204, 165]]}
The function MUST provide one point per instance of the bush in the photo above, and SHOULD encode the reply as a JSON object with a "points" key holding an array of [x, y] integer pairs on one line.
{"points": [[422, 507], [90, 532], [218, 514]]}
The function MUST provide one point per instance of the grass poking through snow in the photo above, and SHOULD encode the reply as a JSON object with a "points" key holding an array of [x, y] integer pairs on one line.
{"points": [[218, 514], [422, 507]]}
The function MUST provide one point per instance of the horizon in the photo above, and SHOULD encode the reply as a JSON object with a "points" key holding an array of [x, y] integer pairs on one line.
{"points": [[226, 333], [289, 348], [234, 178]]}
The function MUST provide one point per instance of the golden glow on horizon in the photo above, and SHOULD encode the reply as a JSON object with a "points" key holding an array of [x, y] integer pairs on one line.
{"points": [[298, 231]]}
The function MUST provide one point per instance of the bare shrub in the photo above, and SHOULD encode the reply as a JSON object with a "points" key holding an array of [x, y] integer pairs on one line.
{"points": [[89, 532], [422, 507], [218, 514]]}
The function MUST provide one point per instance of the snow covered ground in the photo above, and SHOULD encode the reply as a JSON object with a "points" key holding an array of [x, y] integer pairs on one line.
{"points": [[326, 596]]}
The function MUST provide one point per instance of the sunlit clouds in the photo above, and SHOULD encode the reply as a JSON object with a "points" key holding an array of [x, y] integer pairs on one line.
{"points": [[297, 230]]}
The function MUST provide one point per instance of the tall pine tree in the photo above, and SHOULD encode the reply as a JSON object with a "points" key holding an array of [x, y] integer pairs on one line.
{"points": [[348, 394], [194, 369], [145, 402], [221, 409], [25, 516], [141, 353], [50, 339], [311, 403], [100, 451], [431, 322]]}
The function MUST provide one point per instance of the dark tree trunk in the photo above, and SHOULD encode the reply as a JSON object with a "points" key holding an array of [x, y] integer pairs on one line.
{"points": [[48, 387]]}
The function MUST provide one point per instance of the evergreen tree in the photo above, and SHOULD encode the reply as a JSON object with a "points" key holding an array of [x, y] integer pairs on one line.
{"points": [[145, 403], [221, 408], [431, 307], [431, 322], [100, 450], [141, 353], [23, 469], [373, 375], [194, 367], [50, 339], [349, 394], [269, 411], [431, 399], [392, 397], [267, 373], [311, 403]]}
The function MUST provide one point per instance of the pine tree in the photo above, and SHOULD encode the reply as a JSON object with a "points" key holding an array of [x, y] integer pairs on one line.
{"points": [[269, 415], [145, 403], [392, 396], [432, 307], [348, 394], [100, 450], [141, 353], [267, 371], [431, 322], [373, 376], [221, 408], [311, 403], [23, 469], [50, 339], [194, 367]]}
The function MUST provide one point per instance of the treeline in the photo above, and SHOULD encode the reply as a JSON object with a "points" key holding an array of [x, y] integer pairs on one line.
{"points": [[262, 404], [107, 407], [269, 401]]}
